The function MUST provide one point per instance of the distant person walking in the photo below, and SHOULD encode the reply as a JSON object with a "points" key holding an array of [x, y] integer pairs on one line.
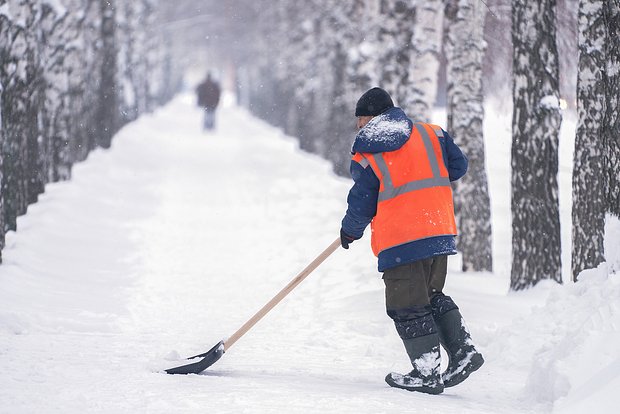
{"points": [[402, 172], [208, 93]]}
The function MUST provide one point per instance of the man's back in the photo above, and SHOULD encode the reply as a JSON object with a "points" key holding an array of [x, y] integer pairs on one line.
{"points": [[208, 94]]}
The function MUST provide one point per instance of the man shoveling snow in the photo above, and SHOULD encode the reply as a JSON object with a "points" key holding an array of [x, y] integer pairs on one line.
{"points": [[402, 172]]}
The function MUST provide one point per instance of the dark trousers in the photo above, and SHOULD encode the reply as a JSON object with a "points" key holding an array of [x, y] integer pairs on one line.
{"points": [[413, 284], [209, 118], [409, 290]]}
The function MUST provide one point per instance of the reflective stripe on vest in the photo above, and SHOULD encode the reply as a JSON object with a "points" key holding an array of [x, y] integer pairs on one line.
{"points": [[402, 215], [390, 191]]}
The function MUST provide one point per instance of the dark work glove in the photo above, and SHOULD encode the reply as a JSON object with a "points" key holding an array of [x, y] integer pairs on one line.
{"points": [[345, 239]]}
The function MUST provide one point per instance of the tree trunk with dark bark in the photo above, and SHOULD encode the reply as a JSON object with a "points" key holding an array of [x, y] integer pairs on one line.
{"points": [[596, 171], [536, 249], [465, 51]]}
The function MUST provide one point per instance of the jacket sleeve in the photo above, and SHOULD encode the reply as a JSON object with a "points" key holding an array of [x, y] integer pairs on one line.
{"points": [[362, 200], [456, 162]]}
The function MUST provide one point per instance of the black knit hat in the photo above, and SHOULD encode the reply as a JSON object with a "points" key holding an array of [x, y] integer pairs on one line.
{"points": [[373, 102]]}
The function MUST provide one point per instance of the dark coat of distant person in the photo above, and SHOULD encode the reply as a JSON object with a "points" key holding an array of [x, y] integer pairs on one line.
{"points": [[208, 93]]}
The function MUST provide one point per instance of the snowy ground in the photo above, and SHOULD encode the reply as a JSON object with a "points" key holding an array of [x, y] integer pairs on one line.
{"points": [[168, 242]]}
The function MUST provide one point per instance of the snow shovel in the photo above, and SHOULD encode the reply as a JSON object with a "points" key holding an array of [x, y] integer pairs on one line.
{"points": [[215, 353]]}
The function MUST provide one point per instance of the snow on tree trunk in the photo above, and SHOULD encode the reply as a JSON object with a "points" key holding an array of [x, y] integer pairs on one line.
{"points": [[465, 51], [426, 40], [596, 182], [535, 129]]}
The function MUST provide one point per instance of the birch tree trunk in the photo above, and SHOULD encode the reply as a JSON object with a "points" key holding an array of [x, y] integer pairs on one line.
{"points": [[596, 182], [535, 129], [409, 38], [347, 18], [15, 55], [465, 51], [394, 41], [107, 116], [7, 63], [611, 122], [421, 92], [4, 40]]}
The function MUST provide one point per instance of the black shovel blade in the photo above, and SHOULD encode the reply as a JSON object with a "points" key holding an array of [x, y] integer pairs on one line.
{"points": [[208, 358]]}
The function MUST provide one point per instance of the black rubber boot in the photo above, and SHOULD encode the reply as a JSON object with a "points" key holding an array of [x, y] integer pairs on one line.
{"points": [[426, 360], [463, 356]]}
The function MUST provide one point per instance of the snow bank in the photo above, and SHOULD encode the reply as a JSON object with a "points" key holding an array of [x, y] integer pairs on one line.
{"points": [[576, 361], [612, 243]]}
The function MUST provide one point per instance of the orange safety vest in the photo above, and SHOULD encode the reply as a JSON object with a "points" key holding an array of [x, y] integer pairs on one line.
{"points": [[415, 197]]}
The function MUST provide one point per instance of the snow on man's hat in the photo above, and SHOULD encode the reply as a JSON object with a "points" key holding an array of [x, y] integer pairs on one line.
{"points": [[373, 102]]}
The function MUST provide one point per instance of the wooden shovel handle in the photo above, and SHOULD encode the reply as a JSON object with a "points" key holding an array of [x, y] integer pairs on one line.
{"points": [[285, 291]]}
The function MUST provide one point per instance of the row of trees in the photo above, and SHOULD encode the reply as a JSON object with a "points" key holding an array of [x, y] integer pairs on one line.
{"points": [[309, 63], [303, 65], [312, 61], [72, 72], [536, 123]]}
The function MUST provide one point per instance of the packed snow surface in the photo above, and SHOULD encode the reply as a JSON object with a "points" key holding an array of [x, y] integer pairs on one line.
{"points": [[167, 243]]}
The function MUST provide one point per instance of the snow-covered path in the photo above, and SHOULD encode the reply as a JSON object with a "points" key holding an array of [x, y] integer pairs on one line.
{"points": [[168, 242]]}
